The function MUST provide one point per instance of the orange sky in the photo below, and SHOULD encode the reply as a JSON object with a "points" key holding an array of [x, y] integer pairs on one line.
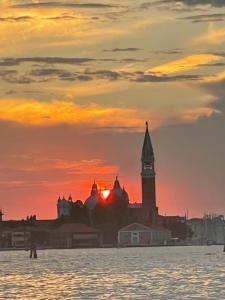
{"points": [[78, 82]]}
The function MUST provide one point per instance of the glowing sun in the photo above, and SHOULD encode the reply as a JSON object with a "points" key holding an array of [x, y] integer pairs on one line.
{"points": [[105, 193]]}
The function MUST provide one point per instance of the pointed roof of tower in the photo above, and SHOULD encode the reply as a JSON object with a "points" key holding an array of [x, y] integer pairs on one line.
{"points": [[147, 149], [94, 185], [94, 189], [116, 184]]}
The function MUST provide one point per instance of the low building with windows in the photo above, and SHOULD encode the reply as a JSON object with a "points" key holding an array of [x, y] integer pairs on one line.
{"points": [[74, 235], [137, 234], [21, 236]]}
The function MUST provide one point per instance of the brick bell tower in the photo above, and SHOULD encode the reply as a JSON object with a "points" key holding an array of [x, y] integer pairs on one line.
{"points": [[148, 180]]}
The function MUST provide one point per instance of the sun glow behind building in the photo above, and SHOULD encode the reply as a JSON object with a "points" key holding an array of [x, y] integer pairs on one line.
{"points": [[77, 87]]}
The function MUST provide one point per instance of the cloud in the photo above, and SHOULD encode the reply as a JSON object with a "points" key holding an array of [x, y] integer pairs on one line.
{"points": [[25, 18], [184, 64], [12, 76], [205, 18], [216, 3], [86, 75], [16, 19], [50, 74], [65, 5], [33, 112], [122, 49], [104, 74], [92, 166], [34, 163], [165, 78], [62, 60], [213, 36], [171, 51], [47, 60]]}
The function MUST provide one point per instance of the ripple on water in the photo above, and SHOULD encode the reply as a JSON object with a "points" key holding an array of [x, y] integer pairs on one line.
{"points": [[132, 273]]}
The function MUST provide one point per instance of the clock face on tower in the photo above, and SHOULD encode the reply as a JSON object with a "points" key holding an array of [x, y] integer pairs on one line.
{"points": [[148, 166]]}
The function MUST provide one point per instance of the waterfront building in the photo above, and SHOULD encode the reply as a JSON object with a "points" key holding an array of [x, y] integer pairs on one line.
{"points": [[207, 230], [74, 235], [137, 234]]}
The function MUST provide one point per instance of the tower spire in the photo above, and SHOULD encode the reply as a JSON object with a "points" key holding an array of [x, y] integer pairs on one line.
{"points": [[148, 178], [94, 188], [147, 149], [116, 183]]}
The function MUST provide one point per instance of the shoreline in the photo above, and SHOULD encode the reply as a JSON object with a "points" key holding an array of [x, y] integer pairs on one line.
{"points": [[105, 247]]}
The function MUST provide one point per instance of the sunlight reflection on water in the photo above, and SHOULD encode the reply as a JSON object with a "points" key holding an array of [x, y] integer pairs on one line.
{"points": [[131, 273]]}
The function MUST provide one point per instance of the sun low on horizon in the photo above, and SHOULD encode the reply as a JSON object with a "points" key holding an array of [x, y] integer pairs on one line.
{"points": [[80, 79]]}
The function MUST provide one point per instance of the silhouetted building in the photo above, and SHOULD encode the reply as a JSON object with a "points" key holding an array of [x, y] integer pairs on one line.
{"points": [[94, 197], [74, 235], [97, 197], [207, 230], [1, 215], [147, 211], [148, 179], [137, 234], [64, 207]]}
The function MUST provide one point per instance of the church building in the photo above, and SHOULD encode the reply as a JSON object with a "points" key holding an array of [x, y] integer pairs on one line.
{"points": [[145, 212]]}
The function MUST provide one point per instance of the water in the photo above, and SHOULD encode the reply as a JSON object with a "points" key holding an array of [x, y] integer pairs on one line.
{"points": [[133, 273]]}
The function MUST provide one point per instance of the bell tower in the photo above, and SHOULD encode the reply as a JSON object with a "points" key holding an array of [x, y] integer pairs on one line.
{"points": [[148, 180]]}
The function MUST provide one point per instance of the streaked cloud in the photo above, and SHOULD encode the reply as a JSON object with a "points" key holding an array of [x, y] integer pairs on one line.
{"points": [[50, 4], [32, 112], [184, 64], [216, 3], [131, 49], [219, 17], [46, 60], [213, 36], [35, 163]]}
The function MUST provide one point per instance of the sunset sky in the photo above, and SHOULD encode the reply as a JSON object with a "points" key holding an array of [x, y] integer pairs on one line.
{"points": [[78, 81]]}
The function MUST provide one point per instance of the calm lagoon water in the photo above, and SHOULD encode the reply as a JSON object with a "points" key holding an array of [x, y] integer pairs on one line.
{"points": [[131, 273]]}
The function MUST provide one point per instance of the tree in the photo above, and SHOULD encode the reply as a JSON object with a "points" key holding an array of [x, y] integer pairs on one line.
{"points": [[180, 230]]}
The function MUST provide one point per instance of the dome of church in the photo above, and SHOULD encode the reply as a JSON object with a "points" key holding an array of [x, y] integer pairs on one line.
{"points": [[93, 199], [125, 195]]}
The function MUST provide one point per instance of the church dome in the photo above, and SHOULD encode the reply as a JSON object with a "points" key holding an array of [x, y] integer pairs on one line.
{"points": [[125, 195], [93, 199], [91, 202]]}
